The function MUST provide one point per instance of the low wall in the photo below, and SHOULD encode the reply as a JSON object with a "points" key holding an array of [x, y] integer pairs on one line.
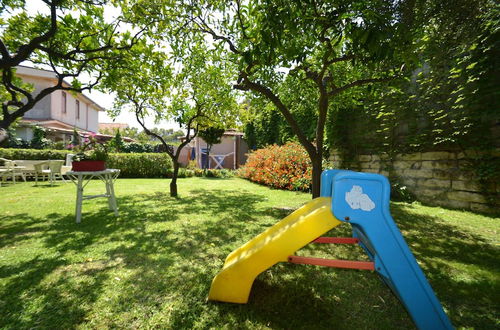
{"points": [[435, 178]]}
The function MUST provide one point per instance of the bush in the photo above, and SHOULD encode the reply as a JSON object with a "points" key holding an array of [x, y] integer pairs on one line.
{"points": [[143, 165], [33, 154], [183, 173], [138, 147], [283, 167]]}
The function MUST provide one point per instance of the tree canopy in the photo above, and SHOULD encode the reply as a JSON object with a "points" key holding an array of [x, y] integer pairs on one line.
{"points": [[190, 88], [72, 39], [286, 49]]}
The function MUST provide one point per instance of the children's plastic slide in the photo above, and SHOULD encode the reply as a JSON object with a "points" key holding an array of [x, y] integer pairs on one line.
{"points": [[362, 200], [234, 282]]}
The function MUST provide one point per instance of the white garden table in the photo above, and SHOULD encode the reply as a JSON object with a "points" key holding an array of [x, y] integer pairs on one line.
{"points": [[81, 179]]}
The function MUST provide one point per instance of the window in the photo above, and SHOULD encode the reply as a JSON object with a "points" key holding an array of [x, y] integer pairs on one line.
{"points": [[77, 112], [63, 103]]}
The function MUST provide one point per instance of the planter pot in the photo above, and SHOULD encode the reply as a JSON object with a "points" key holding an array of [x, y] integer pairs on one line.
{"points": [[89, 165]]}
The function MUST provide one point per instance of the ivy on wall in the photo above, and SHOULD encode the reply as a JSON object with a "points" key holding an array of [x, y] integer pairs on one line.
{"points": [[449, 103]]}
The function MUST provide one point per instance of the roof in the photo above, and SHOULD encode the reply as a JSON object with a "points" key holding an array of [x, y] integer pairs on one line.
{"points": [[51, 124], [59, 126], [112, 125], [229, 132], [233, 132], [22, 70]]}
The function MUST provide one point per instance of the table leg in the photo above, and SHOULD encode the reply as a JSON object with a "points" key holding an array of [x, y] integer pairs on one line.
{"points": [[107, 179], [112, 193], [79, 199]]}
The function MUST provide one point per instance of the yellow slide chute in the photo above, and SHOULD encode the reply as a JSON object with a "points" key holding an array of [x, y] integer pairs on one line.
{"points": [[234, 282]]}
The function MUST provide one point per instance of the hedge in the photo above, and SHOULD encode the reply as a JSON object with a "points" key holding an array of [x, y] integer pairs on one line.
{"points": [[142, 165], [33, 154], [283, 167], [132, 165]]}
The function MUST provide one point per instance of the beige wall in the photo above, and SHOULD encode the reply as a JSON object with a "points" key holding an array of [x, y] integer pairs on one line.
{"points": [[435, 178], [50, 107], [226, 147], [41, 110]]}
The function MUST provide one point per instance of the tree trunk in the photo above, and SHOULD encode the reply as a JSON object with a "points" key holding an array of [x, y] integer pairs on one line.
{"points": [[207, 161], [317, 168], [173, 183], [3, 136]]}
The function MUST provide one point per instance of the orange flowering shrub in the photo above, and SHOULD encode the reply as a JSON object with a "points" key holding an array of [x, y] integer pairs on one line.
{"points": [[283, 167]]}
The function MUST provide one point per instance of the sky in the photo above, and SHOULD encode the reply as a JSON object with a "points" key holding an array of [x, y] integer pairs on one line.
{"points": [[104, 100]]}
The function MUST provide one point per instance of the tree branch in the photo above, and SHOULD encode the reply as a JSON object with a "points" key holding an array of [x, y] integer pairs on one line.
{"points": [[24, 51], [246, 84], [359, 82], [204, 27]]}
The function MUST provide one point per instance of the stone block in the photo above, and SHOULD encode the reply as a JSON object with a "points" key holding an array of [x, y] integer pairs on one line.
{"points": [[408, 182], [465, 164], [384, 173], [335, 164], [466, 196], [383, 156], [376, 158], [465, 175], [413, 157], [443, 174], [434, 183], [402, 164], [480, 207], [365, 164], [439, 164], [466, 185], [364, 158], [437, 155], [455, 204], [427, 174], [428, 195], [417, 165]]}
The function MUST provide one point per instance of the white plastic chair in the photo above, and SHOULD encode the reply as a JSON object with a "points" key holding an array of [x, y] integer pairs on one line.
{"points": [[50, 169], [9, 170]]}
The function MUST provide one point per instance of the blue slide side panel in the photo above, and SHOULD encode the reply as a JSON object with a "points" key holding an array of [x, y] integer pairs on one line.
{"points": [[362, 199], [327, 181]]}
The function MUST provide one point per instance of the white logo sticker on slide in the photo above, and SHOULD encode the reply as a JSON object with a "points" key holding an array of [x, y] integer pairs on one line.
{"points": [[357, 200]]}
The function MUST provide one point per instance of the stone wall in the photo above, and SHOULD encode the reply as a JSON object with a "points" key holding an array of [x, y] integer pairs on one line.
{"points": [[435, 178]]}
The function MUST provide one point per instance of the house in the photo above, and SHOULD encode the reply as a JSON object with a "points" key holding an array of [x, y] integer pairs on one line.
{"points": [[229, 154], [59, 112]]}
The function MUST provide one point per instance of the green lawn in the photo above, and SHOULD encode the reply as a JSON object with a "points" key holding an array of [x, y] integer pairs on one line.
{"points": [[152, 266]]}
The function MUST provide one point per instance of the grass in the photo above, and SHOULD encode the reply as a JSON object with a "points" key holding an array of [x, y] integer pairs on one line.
{"points": [[152, 267]]}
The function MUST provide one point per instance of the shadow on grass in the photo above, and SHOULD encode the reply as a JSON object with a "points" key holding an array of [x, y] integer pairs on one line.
{"points": [[166, 252]]}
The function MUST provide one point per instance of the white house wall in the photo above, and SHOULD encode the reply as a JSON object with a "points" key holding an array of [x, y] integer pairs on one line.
{"points": [[93, 123], [90, 123], [50, 107], [41, 110]]}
